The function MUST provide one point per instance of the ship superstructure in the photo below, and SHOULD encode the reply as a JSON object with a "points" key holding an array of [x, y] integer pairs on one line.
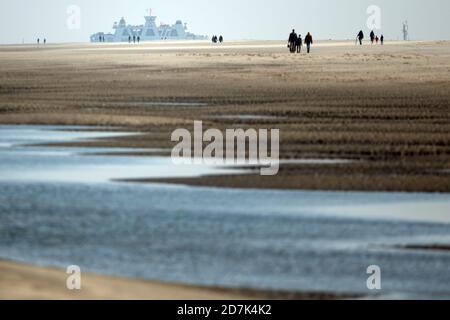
{"points": [[147, 32]]}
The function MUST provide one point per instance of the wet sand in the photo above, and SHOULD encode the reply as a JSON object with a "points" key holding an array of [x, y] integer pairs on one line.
{"points": [[387, 106]]}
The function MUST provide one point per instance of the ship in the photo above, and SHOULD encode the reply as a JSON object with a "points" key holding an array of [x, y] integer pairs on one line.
{"points": [[147, 32]]}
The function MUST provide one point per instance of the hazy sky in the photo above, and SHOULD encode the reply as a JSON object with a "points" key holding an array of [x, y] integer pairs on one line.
{"points": [[25, 20]]}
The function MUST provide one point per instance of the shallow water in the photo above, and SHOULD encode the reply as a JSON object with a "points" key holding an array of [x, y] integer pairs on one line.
{"points": [[62, 164], [51, 213]]}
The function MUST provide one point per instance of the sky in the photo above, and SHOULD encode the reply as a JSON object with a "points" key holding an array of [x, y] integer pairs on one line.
{"points": [[26, 20]]}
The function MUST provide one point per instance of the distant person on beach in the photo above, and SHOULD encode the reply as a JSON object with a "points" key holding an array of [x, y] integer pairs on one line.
{"points": [[377, 39], [129, 39], [308, 42], [139, 39], [382, 39], [299, 43], [134, 39], [220, 39], [45, 41], [360, 37], [292, 40], [372, 36], [38, 40]]}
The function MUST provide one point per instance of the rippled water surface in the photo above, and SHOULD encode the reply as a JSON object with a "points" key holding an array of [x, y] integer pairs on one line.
{"points": [[58, 207]]}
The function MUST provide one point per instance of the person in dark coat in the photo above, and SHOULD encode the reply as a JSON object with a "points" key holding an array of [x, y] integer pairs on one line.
{"points": [[292, 40], [372, 37], [360, 37], [220, 39], [308, 42], [382, 39]]}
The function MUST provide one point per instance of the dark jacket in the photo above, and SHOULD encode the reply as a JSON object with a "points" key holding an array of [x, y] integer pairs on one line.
{"points": [[293, 37], [308, 39]]}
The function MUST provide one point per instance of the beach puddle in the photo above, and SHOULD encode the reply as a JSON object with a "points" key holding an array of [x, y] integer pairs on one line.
{"points": [[21, 161], [59, 208]]}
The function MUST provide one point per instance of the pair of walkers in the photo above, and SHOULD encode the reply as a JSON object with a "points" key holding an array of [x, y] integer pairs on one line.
{"points": [[295, 42], [215, 39]]}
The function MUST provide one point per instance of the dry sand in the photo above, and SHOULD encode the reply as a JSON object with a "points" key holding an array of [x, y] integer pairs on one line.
{"points": [[25, 282], [19, 281], [387, 106]]}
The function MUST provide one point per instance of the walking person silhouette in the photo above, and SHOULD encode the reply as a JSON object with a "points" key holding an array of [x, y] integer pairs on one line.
{"points": [[308, 42]]}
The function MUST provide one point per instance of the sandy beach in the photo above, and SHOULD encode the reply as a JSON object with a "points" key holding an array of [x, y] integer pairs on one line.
{"points": [[26, 282], [23, 282], [384, 108]]}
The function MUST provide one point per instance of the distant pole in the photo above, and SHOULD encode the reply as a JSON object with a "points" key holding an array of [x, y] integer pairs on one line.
{"points": [[405, 31]]}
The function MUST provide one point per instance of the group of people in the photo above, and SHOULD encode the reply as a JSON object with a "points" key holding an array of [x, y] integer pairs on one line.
{"points": [[295, 42], [216, 39], [134, 39], [373, 38], [39, 41]]}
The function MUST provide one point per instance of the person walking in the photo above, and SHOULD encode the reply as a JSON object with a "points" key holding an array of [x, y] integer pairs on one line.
{"points": [[45, 41], [377, 39], [382, 39], [292, 40], [308, 42], [139, 39], [129, 39], [360, 37], [299, 43], [38, 40], [134, 39], [372, 36], [220, 39]]}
